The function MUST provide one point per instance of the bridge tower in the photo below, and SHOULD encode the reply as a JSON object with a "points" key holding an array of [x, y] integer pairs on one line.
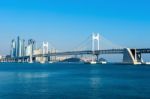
{"points": [[45, 47], [31, 54], [95, 44], [45, 51], [95, 39]]}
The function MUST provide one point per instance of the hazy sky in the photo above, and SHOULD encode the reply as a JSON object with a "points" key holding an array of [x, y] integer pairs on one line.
{"points": [[66, 23]]}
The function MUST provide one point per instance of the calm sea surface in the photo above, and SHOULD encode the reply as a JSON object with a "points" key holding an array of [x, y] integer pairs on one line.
{"points": [[74, 81]]}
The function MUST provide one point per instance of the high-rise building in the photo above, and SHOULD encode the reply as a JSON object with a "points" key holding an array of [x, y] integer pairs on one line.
{"points": [[32, 43], [23, 47], [13, 48], [18, 46]]}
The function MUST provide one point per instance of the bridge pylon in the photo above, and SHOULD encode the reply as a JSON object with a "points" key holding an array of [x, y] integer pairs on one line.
{"points": [[45, 47], [31, 55], [95, 38], [95, 44], [45, 51]]}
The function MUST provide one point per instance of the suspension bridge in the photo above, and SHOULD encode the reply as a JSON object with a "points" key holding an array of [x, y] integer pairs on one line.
{"points": [[95, 45]]}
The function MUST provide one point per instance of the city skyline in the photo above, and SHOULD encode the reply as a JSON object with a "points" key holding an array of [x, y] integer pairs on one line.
{"points": [[67, 23], [23, 50], [20, 47]]}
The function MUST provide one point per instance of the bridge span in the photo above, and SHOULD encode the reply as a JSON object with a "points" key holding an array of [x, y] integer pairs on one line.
{"points": [[97, 52], [130, 56]]}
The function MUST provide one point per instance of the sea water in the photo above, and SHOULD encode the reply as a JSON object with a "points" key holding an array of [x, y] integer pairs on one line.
{"points": [[74, 81]]}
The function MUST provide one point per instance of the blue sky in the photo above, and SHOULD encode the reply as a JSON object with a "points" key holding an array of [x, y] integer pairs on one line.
{"points": [[66, 23]]}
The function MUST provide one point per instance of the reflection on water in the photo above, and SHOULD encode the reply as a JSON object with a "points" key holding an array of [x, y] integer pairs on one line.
{"points": [[95, 83], [33, 75], [95, 79]]}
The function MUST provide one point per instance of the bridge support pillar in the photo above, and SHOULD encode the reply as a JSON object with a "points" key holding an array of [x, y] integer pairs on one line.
{"points": [[30, 59], [48, 58], [130, 56], [97, 57]]}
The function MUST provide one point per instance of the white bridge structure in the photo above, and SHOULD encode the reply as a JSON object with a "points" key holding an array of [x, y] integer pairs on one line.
{"points": [[45, 48], [95, 37], [94, 45]]}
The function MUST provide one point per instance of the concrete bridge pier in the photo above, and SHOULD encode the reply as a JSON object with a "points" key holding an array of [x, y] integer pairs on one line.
{"points": [[31, 59], [24, 60], [49, 58], [130, 56], [97, 57], [139, 58]]}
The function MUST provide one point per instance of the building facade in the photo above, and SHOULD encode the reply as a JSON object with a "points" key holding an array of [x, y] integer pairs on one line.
{"points": [[13, 48]]}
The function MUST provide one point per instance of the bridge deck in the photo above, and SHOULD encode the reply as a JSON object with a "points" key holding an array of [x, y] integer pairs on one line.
{"points": [[107, 51], [146, 50]]}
